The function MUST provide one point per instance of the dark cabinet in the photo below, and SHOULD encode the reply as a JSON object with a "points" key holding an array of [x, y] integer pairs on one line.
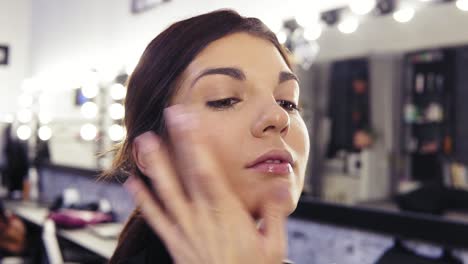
{"points": [[461, 105], [348, 107]]}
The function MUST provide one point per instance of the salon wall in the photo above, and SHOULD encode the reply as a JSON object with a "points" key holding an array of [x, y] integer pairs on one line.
{"points": [[15, 31], [70, 37], [72, 34]]}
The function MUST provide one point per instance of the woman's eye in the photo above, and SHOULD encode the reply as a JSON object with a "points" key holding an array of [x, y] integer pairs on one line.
{"points": [[289, 106], [223, 103]]}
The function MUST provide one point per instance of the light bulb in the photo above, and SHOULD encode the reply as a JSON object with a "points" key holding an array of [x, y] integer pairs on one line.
{"points": [[404, 15], [348, 25], [282, 36], [118, 91], [462, 5], [23, 132], [89, 110], [88, 132], [90, 87], [44, 133], [116, 111], [90, 91], [116, 132]]}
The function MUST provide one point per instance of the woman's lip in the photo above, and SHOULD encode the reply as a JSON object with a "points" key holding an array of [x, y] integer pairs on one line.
{"points": [[277, 154], [273, 168]]}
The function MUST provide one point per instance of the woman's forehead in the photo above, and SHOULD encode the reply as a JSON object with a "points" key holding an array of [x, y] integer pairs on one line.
{"points": [[253, 55]]}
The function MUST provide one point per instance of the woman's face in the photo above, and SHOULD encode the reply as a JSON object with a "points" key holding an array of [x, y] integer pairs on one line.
{"points": [[247, 97]]}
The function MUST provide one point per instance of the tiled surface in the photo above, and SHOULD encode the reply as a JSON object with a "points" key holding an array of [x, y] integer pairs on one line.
{"points": [[316, 243], [313, 243]]}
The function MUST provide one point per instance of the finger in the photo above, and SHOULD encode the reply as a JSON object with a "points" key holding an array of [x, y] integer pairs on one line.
{"points": [[202, 176], [152, 159], [273, 227], [155, 216]]}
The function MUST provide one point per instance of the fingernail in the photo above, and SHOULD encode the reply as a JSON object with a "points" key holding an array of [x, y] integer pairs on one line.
{"points": [[147, 142]]}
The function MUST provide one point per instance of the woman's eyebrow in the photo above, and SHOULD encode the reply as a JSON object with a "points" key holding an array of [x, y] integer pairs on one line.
{"points": [[238, 74], [235, 73], [286, 76]]}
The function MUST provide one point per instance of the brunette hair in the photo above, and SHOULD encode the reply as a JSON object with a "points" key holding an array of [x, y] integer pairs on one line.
{"points": [[154, 82]]}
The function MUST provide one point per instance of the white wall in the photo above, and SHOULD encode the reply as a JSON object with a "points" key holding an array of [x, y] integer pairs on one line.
{"points": [[15, 31], [86, 33]]}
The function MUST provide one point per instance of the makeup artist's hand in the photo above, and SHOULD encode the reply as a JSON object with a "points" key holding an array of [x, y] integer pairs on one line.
{"points": [[13, 235], [196, 214]]}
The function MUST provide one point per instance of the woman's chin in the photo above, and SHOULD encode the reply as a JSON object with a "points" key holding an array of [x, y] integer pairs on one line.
{"points": [[286, 207]]}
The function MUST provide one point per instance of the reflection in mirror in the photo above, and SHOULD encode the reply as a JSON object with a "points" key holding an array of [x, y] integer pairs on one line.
{"points": [[77, 124], [387, 115], [382, 85]]}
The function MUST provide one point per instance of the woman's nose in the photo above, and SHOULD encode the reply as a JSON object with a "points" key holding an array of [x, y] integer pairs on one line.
{"points": [[272, 119]]}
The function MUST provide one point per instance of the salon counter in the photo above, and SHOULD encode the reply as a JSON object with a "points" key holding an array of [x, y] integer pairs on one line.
{"points": [[85, 238], [449, 231]]}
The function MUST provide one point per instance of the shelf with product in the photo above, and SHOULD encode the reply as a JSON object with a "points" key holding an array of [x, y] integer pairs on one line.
{"points": [[429, 114]]}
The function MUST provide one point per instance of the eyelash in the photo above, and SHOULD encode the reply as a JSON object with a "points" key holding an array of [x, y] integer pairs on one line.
{"points": [[223, 103], [290, 105], [227, 103]]}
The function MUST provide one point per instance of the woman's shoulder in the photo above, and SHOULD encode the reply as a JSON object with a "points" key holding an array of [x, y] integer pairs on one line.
{"points": [[140, 245], [151, 253]]}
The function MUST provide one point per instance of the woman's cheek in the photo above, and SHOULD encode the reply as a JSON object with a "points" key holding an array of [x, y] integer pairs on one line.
{"points": [[301, 146]]}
